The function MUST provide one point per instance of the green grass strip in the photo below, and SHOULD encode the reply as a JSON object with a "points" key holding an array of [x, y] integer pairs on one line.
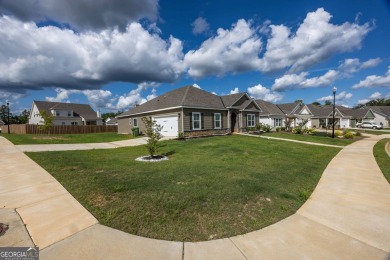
{"points": [[382, 158]]}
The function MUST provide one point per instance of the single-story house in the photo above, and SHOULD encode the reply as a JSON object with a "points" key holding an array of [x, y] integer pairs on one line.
{"points": [[357, 115], [382, 115], [1, 122], [193, 112], [323, 116], [64, 113], [284, 115]]}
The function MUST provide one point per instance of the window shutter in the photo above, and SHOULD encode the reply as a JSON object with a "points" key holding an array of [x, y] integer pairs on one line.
{"points": [[202, 120], [221, 120], [212, 120], [190, 121]]}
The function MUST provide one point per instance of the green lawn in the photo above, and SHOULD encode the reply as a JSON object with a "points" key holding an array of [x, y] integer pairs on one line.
{"points": [[382, 158], [373, 132], [209, 188], [65, 138], [319, 137]]}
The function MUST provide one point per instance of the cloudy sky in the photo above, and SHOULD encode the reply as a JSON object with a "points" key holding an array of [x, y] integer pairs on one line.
{"points": [[114, 54]]}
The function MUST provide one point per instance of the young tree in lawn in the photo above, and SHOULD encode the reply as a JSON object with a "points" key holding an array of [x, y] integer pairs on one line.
{"points": [[153, 131], [47, 121]]}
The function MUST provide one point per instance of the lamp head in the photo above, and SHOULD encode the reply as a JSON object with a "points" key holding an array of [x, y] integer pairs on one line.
{"points": [[334, 90], [7, 101]]}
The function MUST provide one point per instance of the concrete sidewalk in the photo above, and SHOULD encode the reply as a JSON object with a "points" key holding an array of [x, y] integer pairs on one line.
{"points": [[85, 146], [347, 217]]}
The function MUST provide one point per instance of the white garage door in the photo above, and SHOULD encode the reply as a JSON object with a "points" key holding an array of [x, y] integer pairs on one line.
{"points": [[169, 123]]}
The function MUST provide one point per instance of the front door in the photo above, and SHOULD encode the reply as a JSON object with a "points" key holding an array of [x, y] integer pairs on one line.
{"points": [[233, 122]]}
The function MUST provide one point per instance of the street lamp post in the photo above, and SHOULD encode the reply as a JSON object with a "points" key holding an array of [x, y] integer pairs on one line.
{"points": [[8, 115], [334, 106]]}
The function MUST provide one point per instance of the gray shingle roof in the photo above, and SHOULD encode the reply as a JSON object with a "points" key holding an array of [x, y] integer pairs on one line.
{"points": [[231, 99], [269, 108], [188, 96], [354, 113], [83, 110], [288, 108], [385, 110]]}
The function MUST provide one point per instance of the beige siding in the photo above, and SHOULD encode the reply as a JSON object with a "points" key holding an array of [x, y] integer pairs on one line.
{"points": [[315, 123], [207, 118], [124, 126]]}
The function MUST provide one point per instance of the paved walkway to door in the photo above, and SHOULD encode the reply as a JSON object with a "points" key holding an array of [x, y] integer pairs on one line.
{"points": [[346, 217]]}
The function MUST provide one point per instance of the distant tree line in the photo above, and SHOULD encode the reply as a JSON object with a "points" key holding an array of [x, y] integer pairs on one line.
{"points": [[374, 102], [22, 118]]}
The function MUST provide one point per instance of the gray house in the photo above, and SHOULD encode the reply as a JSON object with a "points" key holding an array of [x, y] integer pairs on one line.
{"points": [[193, 112]]}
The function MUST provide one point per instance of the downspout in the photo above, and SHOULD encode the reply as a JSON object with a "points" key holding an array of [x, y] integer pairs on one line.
{"points": [[182, 120]]}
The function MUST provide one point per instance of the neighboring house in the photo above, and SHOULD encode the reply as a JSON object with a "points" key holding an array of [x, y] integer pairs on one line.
{"points": [[357, 115], [382, 115], [64, 113], [271, 114], [194, 112], [323, 116], [282, 115], [111, 121]]}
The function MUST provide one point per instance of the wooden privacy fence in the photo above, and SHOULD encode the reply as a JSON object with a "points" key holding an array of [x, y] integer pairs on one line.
{"points": [[60, 129]]}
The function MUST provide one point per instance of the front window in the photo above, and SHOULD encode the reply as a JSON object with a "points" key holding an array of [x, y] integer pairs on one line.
{"points": [[135, 122], [250, 120], [75, 123], [278, 122], [69, 113], [196, 121], [57, 113], [217, 120]]}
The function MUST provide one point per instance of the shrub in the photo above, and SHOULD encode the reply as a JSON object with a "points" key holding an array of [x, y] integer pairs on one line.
{"points": [[310, 131], [357, 133], [297, 130], [283, 128], [180, 135], [277, 129], [266, 128], [153, 131], [349, 135], [338, 133]]}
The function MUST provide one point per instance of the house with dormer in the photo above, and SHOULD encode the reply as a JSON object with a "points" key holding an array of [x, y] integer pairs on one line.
{"points": [[64, 113]]}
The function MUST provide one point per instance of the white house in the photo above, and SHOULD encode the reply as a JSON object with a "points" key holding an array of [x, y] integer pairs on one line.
{"points": [[64, 113]]}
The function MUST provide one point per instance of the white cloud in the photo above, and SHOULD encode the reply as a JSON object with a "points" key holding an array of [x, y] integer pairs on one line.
{"points": [[373, 96], [200, 26], [83, 14], [342, 96], [350, 66], [196, 86], [374, 81], [101, 99], [291, 81], [315, 40], [10, 96], [234, 50], [34, 57], [260, 92], [234, 91], [135, 98]]}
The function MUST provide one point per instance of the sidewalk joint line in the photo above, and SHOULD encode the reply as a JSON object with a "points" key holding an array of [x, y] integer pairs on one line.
{"points": [[238, 248]]}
